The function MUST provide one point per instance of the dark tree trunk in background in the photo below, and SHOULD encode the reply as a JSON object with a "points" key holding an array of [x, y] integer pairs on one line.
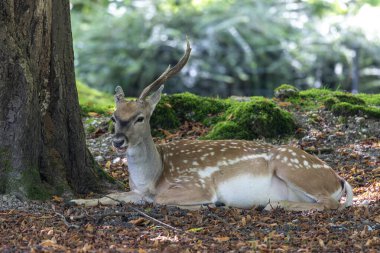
{"points": [[42, 140]]}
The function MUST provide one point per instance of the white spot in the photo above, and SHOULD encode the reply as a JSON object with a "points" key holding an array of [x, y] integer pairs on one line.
{"points": [[185, 161], [207, 172], [306, 163], [278, 157], [294, 160], [285, 159], [195, 163]]}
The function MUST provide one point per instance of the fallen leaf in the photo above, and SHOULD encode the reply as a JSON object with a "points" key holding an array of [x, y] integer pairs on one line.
{"points": [[222, 239], [137, 222], [93, 114]]}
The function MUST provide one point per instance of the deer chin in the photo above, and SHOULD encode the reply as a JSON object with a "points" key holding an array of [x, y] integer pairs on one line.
{"points": [[121, 150]]}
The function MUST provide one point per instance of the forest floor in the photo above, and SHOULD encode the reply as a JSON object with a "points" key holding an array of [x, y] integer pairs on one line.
{"points": [[351, 147]]}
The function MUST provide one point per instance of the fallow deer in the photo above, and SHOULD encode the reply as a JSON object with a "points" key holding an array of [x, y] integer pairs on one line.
{"points": [[236, 173]]}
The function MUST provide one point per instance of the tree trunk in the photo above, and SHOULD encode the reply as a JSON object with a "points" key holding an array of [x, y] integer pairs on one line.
{"points": [[42, 140]]}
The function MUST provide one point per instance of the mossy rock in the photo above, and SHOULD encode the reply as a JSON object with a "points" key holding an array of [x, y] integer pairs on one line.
{"points": [[226, 130], [328, 103], [347, 109], [250, 120], [286, 91], [175, 109], [190, 107], [164, 115], [349, 98]]}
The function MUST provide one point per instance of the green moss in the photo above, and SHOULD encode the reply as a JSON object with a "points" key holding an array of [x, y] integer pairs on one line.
{"points": [[370, 99], [259, 117], [349, 98], [328, 103], [164, 116], [227, 130], [190, 107], [175, 109], [31, 183], [286, 91], [286, 87], [316, 93], [5, 168], [92, 100], [347, 109]]}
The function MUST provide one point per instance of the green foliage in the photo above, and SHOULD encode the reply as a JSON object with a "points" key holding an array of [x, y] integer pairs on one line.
{"points": [[240, 48], [257, 118]]}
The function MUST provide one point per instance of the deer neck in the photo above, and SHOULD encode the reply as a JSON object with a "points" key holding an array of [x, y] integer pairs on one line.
{"points": [[144, 165]]}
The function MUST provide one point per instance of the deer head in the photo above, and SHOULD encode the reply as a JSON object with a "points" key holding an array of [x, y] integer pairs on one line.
{"points": [[132, 118]]}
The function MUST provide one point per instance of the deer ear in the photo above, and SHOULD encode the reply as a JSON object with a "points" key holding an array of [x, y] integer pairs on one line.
{"points": [[155, 97], [119, 95]]}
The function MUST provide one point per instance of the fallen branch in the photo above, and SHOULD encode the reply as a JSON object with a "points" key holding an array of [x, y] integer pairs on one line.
{"points": [[144, 214], [66, 222]]}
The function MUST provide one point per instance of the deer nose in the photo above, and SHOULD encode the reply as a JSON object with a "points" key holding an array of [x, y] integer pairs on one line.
{"points": [[118, 143], [119, 140]]}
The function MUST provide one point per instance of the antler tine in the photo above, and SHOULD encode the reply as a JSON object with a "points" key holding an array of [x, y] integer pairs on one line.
{"points": [[169, 72]]}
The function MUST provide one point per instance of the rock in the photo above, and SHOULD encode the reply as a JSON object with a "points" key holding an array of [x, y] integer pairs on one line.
{"points": [[286, 91], [116, 160], [359, 120], [99, 158]]}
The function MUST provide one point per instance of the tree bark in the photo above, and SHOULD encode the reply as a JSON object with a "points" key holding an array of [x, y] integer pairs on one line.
{"points": [[42, 139]]}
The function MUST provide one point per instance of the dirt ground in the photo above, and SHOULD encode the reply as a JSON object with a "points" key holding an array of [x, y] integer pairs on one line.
{"points": [[352, 149]]}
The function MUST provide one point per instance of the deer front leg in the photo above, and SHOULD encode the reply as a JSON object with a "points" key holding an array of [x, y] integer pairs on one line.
{"points": [[112, 199]]}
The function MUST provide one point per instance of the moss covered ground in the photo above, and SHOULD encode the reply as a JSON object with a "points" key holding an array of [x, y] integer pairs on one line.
{"points": [[230, 119], [92, 100]]}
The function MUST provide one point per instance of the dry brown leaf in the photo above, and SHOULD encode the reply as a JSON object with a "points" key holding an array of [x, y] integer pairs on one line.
{"points": [[93, 114], [222, 239], [137, 222], [89, 228]]}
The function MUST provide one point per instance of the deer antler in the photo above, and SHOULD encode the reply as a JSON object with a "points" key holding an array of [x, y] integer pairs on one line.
{"points": [[169, 72]]}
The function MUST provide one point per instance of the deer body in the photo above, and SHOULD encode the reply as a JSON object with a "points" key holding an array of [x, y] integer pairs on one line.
{"points": [[193, 173]]}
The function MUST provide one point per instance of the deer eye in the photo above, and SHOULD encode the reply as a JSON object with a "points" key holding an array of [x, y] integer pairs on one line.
{"points": [[139, 119]]}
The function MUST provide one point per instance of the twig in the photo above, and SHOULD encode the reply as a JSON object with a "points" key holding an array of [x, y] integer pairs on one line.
{"points": [[66, 222], [145, 215], [102, 216]]}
